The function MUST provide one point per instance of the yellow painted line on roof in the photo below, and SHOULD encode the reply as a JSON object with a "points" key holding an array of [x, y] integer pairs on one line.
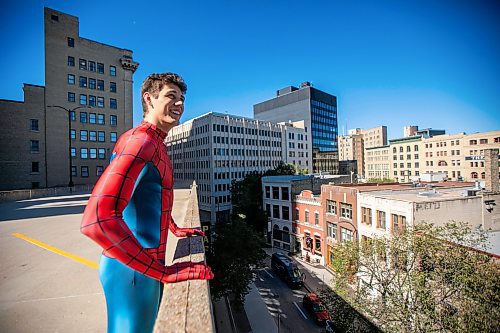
{"points": [[57, 251]]}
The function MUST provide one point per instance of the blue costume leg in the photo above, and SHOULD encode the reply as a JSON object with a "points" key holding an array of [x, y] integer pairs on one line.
{"points": [[132, 298]]}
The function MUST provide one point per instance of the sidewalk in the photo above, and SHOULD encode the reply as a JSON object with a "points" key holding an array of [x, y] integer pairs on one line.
{"points": [[258, 315], [317, 276]]}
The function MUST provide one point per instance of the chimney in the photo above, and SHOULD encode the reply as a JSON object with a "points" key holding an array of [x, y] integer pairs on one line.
{"points": [[491, 166]]}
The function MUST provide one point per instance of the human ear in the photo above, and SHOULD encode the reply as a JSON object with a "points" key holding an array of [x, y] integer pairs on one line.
{"points": [[147, 98]]}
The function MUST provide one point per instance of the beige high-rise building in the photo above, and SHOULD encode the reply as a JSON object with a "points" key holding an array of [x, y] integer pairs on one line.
{"points": [[377, 163], [353, 145], [405, 160], [87, 97]]}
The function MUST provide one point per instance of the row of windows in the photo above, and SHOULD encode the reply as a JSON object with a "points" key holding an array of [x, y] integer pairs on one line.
{"points": [[97, 136], [240, 130], [408, 157], [88, 65], [404, 173], [84, 171], [276, 193], [92, 153], [401, 149], [90, 83], [345, 209], [92, 100], [408, 165], [398, 222]]}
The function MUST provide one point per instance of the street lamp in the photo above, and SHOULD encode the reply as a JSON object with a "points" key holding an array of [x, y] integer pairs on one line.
{"points": [[70, 184]]}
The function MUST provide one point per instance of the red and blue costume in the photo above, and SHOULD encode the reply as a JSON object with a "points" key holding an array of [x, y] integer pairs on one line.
{"points": [[129, 214]]}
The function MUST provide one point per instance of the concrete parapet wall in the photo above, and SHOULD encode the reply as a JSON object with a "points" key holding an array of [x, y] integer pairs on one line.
{"points": [[42, 192], [186, 306]]}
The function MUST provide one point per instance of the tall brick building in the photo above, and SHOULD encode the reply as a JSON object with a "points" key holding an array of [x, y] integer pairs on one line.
{"points": [[87, 97]]}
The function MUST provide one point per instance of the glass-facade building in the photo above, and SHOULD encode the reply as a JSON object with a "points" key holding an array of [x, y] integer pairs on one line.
{"points": [[318, 110], [324, 126]]}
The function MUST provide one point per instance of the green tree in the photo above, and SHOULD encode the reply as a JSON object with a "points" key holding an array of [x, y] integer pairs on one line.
{"points": [[236, 250], [246, 195], [422, 280]]}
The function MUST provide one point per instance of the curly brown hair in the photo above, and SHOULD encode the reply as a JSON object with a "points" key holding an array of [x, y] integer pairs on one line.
{"points": [[154, 84]]}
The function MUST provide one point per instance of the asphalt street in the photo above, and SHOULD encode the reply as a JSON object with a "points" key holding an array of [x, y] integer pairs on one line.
{"points": [[283, 303]]}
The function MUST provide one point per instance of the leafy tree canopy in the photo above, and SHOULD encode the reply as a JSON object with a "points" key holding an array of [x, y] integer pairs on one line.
{"points": [[427, 279]]}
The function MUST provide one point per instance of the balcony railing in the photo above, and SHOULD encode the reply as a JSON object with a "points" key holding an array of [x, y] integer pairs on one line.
{"points": [[186, 306]]}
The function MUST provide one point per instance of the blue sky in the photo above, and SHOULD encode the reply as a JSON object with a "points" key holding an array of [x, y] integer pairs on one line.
{"points": [[428, 63]]}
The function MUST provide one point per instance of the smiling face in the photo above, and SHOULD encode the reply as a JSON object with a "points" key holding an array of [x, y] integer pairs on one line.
{"points": [[165, 110]]}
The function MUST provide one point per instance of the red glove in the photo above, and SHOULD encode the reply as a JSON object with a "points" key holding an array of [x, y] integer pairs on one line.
{"points": [[187, 271]]}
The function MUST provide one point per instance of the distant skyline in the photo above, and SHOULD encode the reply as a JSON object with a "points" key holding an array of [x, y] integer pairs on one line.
{"points": [[395, 63]]}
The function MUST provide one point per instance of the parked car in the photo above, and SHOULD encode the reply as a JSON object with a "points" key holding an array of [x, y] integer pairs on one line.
{"points": [[313, 305], [287, 270]]}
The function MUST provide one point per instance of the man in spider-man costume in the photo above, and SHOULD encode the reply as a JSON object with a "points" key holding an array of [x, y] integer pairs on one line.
{"points": [[129, 213]]}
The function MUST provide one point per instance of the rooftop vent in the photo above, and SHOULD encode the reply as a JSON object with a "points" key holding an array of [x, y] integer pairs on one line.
{"points": [[305, 84]]}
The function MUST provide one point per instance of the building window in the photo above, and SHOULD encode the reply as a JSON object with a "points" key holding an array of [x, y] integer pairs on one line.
{"points": [[332, 230], [112, 87], [113, 136], [113, 120], [380, 219], [83, 99], [366, 217], [82, 64], [473, 142], [317, 245], [71, 42], [73, 152], [93, 153], [34, 146], [92, 118], [276, 192], [331, 207], [92, 66], [84, 135], [83, 117], [268, 192], [415, 148], [285, 213], [316, 218], [112, 70], [73, 171], [92, 136], [91, 83], [84, 153], [71, 79], [284, 193], [92, 100], [100, 85], [473, 175], [276, 211], [71, 61], [100, 102], [98, 170], [34, 125], [101, 136], [112, 103], [72, 134], [71, 97], [101, 119], [483, 141], [100, 68], [35, 167], [101, 153], [306, 219], [85, 171], [83, 82], [345, 235], [346, 211]]}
